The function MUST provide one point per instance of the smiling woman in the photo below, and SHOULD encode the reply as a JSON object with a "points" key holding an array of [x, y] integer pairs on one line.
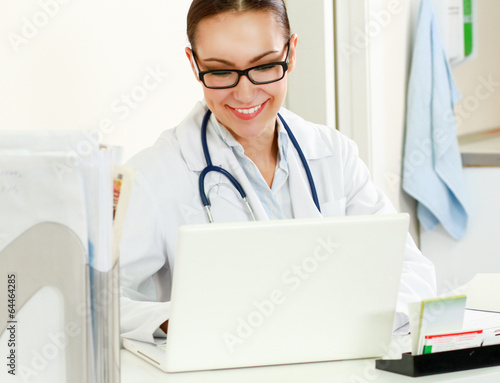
{"points": [[240, 143], [248, 110]]}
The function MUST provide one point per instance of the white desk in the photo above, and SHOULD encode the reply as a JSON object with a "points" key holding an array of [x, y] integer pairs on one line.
{"points": [[135, 370]]}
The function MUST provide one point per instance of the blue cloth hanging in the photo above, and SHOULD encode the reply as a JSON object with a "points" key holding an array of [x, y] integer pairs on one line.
{"points": [[432, 166]]}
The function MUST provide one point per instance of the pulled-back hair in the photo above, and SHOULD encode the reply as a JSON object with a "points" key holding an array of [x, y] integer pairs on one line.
{"points": [[201, 9]]}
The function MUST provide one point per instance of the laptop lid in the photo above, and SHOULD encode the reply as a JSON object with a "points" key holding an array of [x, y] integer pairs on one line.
{"points": [[286, 291]]}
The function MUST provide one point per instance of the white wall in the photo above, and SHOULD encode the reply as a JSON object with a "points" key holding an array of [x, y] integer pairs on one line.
{"points": [[311, 86], [475, 112], [397, 53], [374, 44], [478, 80], [478, 251], [69, 64], [82, 64]]}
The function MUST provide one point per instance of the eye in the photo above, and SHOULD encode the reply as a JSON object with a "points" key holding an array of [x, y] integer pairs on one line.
{"points": [[267, 67], [221, 73]]}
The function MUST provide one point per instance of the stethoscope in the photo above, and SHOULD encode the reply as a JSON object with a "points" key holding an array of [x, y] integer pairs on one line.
{"points": [[211, 168]]}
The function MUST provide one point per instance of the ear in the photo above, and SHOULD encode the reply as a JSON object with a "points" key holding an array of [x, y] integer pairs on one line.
{"points": [[190, 56], [293, 52]]}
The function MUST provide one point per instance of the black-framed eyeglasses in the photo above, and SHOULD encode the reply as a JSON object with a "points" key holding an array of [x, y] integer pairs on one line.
{"points": [[259, 75]]}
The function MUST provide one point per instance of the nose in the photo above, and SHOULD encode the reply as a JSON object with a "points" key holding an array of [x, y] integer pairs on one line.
{"points": [[245, 91]]}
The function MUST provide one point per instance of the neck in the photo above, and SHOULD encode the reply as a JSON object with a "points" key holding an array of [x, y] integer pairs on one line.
{"points": [[263, 151]]}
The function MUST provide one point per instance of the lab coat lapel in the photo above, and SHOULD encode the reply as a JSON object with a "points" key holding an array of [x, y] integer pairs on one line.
{"points": [[313, 147], [300, 191], [188, 135]]}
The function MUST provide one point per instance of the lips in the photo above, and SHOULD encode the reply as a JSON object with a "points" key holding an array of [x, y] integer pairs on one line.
{"points": [[248, 113]]}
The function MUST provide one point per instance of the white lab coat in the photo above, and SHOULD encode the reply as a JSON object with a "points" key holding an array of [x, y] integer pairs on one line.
{"points": [[166, 196]]}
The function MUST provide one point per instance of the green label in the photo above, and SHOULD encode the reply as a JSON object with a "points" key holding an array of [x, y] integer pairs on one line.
{"points": [[468, 27], [427, 350]]}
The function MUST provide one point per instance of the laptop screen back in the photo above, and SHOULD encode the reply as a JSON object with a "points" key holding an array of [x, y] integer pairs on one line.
{"points": [[289, 291]]}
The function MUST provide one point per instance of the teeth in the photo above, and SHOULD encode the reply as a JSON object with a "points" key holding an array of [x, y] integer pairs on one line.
{"points": [[248, 111]]}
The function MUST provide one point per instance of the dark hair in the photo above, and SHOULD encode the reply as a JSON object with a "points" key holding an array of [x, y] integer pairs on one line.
{"points": [[201, 9]]}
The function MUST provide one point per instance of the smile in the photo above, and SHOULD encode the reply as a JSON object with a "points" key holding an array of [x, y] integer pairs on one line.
{"points": [[248, 113]]}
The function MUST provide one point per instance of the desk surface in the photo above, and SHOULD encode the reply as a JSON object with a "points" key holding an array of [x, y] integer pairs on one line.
{"points": [[135, 370]]}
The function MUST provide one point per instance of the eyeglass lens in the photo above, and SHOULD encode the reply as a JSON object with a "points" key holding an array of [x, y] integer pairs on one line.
{"points": [[261, 74]]}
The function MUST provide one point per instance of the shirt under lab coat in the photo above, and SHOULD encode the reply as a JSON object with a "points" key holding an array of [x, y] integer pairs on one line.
{"points": [[165, 196]]}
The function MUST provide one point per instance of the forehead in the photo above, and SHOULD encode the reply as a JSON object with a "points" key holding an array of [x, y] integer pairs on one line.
{"points": [[237, 36]]}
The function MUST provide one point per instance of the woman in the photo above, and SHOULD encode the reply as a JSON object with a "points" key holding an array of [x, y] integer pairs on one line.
{"points": [[241, 52]]}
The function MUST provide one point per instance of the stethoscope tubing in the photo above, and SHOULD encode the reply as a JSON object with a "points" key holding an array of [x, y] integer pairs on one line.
{"points": [[211, 168], [304, 162]]}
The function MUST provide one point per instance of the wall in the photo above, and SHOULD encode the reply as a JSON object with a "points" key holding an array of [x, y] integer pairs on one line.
{"points": [[374, 46], [311, 86], [478, 80], [84, 64], [397, 53], [74, 65]]}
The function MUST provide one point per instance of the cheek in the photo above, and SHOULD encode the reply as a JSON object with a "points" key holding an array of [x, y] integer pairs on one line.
{"points": [[218, 97], [278, 91], [213, 96]]}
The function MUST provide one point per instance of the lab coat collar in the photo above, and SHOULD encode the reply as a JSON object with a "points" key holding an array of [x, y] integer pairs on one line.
{"points": [[314, 147], [307, 134], [300, 190], [189, 137]]}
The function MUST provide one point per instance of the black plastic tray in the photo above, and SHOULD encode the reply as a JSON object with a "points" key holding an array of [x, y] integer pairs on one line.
{"points": [[441, 362]]}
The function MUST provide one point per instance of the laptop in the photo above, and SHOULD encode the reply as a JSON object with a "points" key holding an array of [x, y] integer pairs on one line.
{"points": [[281, 292]]}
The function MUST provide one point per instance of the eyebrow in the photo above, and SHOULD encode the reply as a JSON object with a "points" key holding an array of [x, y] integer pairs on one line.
{"points": [[228, 63]]}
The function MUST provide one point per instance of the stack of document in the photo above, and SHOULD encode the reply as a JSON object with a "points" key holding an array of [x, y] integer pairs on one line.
{"points": [[59, 318], [444, 324]]}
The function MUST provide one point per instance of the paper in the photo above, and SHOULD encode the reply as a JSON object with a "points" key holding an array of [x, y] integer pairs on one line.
{"points": [[435, 316], [31, 189], [123, 179], [450, 19], [480, 319], [485, 320], [56, 206], [452, 341]]}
